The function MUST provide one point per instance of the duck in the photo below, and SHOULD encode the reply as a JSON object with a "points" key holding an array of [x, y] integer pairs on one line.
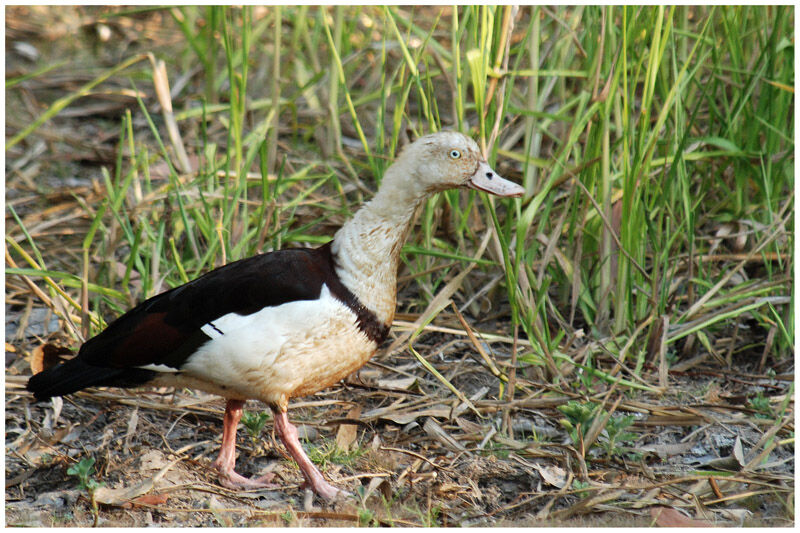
{"points": [[282, 324]]}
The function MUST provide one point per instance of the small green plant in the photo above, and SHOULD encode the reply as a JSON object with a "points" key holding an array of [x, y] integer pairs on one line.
{"points": [[254, 422], [579, 418], [328, 452], [495, 448], [614, 434], [672, 357], [761, 405], [288, 517], [433, 518], [61, 519], [388, 517], [83, 471], [366, 517], [580, 488], [429, 517]]}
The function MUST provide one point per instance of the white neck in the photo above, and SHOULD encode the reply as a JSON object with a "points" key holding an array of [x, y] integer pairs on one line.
{"points": [[367, 248]]}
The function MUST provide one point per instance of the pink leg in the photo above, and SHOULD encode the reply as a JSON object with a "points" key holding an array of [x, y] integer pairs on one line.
{"points": [[288, 435], [227, 453]]}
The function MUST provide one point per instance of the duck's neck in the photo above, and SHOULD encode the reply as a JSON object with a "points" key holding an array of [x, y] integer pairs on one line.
{"points": [[367, 248]]}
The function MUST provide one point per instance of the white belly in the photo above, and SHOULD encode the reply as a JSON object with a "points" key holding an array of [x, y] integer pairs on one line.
{"points": [[289, 350]]}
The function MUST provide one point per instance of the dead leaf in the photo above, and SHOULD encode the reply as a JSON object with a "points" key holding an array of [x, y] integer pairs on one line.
{"points": [[736, 515], [734, 462], [397, 384], [463, 406], [46, 356], [61, 434], [348, 433], [667, 450], [124, 495], [382, 485], [552, 475], [669, 517], [738, 453], [436, 431], [712, 394], [724, 230], [150, 499], [451, 490], [152, 460], [51, 422], [468, 427], [133, 422], [403, 418]]}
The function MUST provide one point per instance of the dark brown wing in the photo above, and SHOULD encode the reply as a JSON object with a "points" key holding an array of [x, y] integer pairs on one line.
{"points": [[166, 329]]}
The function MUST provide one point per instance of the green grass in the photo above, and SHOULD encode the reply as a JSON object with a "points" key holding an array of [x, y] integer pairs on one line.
{"points": [[643, 135]]}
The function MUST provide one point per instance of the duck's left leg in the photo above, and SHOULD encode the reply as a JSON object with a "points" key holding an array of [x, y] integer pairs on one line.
{"points": [[226, 461], [313, 477]]}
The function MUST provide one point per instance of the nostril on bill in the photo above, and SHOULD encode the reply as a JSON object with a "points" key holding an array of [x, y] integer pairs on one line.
{"points": [[489, 175]]}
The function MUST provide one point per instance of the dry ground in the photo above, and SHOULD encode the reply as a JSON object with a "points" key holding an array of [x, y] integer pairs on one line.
{"points": [[418, 457], [415, 454]]}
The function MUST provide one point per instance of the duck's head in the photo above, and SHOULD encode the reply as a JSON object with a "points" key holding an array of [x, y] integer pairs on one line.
{"points": [[449, 160]]}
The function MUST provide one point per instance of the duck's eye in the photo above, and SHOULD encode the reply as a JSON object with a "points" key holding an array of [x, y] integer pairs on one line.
{"points": [[455, 154]]}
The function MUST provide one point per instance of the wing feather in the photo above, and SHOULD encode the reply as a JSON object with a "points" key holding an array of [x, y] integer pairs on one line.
{"points": [[166, 329]]}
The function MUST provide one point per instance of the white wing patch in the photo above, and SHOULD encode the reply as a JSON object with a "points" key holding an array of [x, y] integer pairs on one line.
{"points": [[160, 368], [212, 330]]}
